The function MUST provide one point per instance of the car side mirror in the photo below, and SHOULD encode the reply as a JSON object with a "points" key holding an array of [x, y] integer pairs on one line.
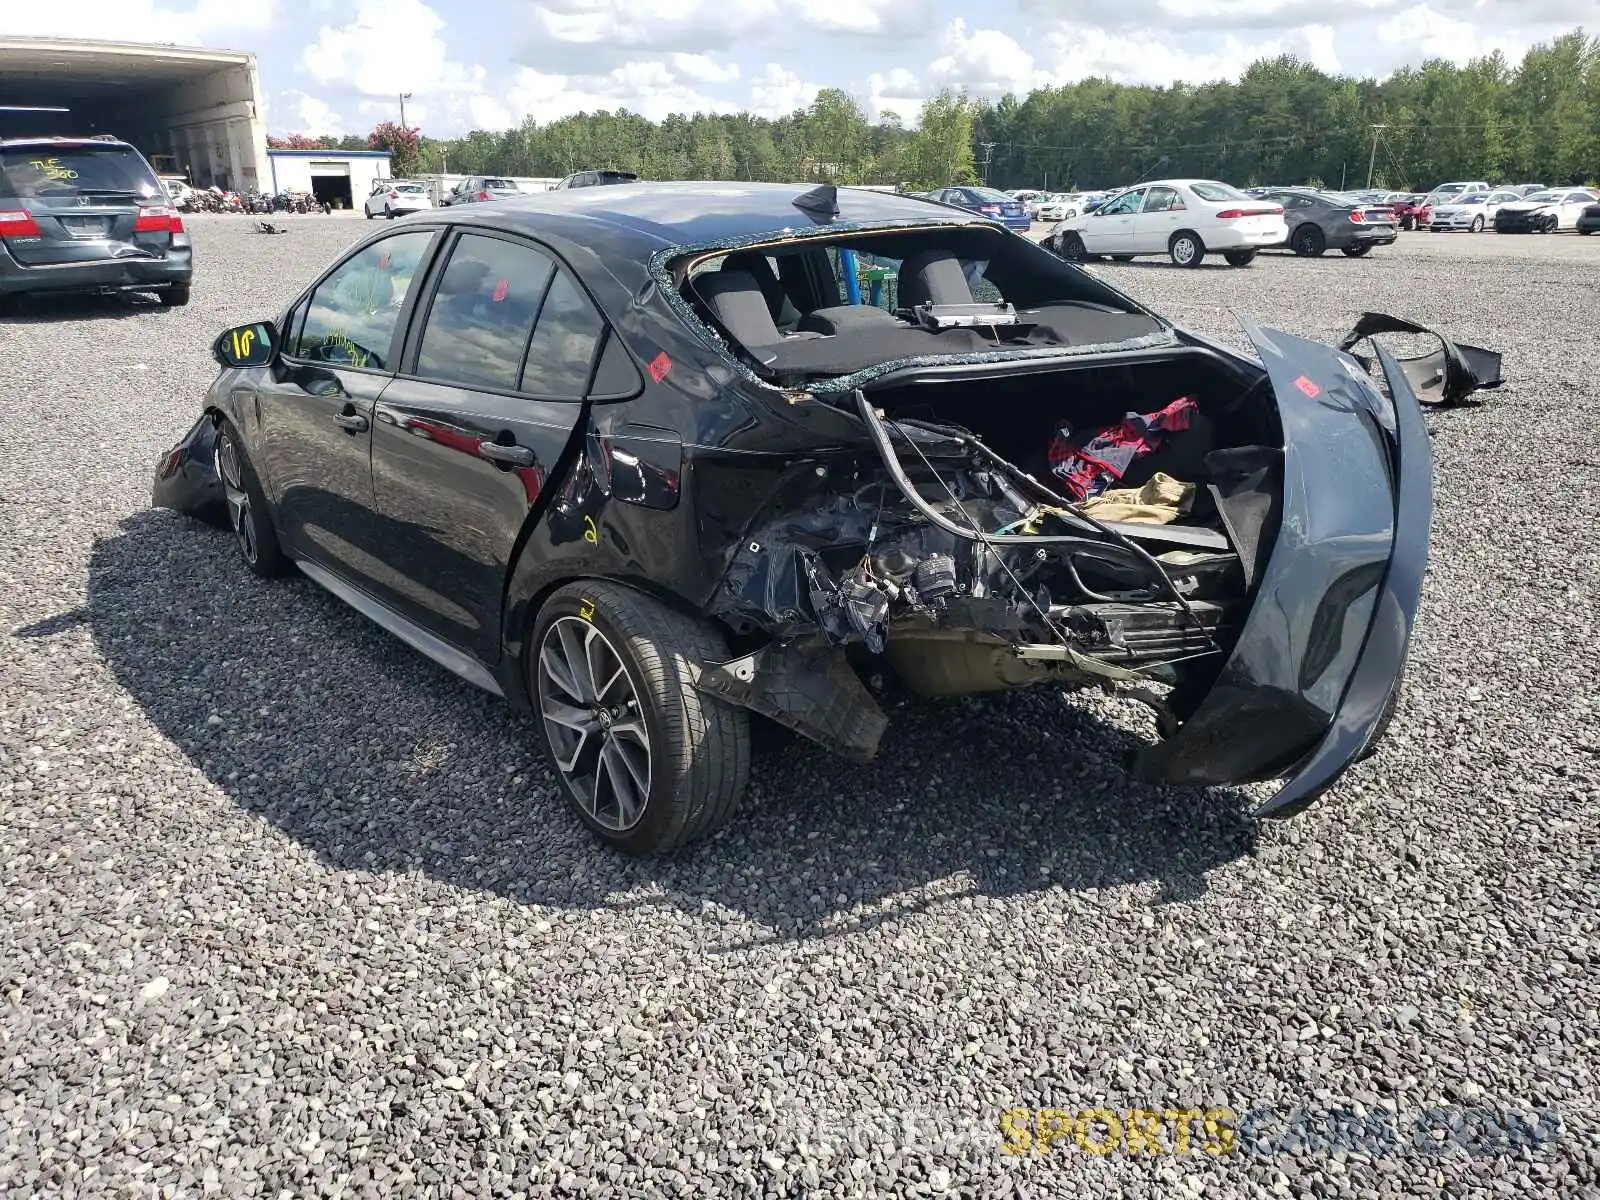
{"points": [[253, 345]]}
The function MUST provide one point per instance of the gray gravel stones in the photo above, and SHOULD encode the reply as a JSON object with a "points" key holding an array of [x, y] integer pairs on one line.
{"points": [[287, 911]]}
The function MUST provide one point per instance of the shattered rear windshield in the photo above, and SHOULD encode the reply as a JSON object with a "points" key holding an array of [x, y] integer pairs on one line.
{"points": [[816, 308]]}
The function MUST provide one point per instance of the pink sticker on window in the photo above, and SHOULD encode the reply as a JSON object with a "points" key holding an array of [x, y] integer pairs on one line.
{"points": [[501, 287], [659, 366], [383, 261]]}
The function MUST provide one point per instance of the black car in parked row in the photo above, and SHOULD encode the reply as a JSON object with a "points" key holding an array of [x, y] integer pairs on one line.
{"points": [[88, 215], [643, 460]]}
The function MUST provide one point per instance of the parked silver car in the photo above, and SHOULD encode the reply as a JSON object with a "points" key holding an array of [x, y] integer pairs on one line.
{"points": [[478, 189]]}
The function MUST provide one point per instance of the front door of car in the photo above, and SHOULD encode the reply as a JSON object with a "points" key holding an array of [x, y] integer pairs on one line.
{"points": [[1109, 229], [1162, 215], [465, 440], [316, 408]]}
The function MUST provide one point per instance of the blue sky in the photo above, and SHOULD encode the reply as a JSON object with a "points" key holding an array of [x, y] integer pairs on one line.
{"points": [[337, 66]]}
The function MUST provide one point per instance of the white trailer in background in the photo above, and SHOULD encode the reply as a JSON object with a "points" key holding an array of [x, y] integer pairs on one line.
{"points": [[195, 113]]}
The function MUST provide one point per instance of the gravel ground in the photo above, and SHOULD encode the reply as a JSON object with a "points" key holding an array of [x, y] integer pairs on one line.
{"points": [[290, 912]]}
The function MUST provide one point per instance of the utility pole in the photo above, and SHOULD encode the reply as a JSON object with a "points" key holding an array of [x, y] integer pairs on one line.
{"points": [[1373, 161], [404, 96], [988, 156]]}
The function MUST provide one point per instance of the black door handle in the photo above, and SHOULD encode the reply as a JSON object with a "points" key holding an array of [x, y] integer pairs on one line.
{"points": [[354, 422], [513, 455]]}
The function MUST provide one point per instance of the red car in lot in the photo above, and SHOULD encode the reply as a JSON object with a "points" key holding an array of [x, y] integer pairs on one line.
{"points": [[1411, 212]]}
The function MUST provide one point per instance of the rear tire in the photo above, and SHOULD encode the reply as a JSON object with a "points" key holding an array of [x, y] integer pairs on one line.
{"points": [[1357, 251], [249, 516], [175, 296], [368, 211], [647, 762], [1240, 258], [1186, 248], [1308, 242]]}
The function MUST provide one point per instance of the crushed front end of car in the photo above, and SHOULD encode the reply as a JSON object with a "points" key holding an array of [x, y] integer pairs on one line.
{"points": [[1239, 545]]}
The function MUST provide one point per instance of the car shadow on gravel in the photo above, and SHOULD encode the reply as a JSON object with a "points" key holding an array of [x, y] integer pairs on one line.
{"points": [[303, 712], [47, 310]]}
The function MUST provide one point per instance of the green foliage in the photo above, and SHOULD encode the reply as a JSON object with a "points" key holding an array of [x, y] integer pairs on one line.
{"points": [[404, 146], [1283, 121]]}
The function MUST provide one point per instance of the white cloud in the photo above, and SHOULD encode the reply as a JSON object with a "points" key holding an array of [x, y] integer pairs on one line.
{"points": [[216, 23], [392, 46], [649, 88], [704, 69], [1150, 56], [778, 91], [1425, 33], [985, 62], [312, 115], [895, 91]]}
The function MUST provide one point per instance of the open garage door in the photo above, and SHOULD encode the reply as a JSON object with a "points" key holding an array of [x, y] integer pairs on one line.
{"points": [[193, 112], [330, 183]]}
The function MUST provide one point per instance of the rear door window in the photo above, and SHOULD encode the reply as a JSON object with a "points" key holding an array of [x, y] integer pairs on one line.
{"points": [[483, 313], [564, 342], [54, 174], [351, 316]]}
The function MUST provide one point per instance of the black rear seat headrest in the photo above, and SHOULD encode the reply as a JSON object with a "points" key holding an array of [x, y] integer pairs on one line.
{"points": [[933, 277], [737, 302]]}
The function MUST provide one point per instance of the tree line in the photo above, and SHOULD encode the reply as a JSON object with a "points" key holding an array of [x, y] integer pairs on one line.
{"points": [[1283, 121]]}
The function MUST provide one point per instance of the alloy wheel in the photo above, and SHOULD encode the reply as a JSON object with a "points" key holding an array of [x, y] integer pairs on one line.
{"points": [[241, 516], [595, 723]]}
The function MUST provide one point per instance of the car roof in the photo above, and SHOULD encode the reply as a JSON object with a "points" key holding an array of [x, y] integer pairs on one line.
{"points": [[85, 140], [663, 215], [616, 232]]}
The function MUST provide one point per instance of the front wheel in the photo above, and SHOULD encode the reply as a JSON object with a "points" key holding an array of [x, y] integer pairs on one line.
{"points": [[1186, 249], [248, 514], [1357, 251], [1070, 247], [647, 762], [1240, 258], [175, 296], [1477, 224]]}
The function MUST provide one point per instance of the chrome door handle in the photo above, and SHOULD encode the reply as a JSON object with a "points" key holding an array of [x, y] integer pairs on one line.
{"points": [[354, 422], [513, 455]]}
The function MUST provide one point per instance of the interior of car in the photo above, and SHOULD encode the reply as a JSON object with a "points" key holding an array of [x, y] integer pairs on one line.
{"points": [[829, 308]]}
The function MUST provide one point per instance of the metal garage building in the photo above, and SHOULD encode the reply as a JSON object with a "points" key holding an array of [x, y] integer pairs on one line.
{"points": [[195, 112], [343, 178]]}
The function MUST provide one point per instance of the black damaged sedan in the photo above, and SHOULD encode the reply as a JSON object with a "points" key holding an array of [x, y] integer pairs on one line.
{"points": [[646, 461]]}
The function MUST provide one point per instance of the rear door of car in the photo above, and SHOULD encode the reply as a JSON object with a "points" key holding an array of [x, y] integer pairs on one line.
{"points": [[314, 410], [81, 202], [490, 395]]}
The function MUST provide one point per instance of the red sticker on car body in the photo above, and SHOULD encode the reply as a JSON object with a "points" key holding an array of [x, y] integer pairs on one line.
{"points": [[659, 366], [501, 287], [1309, 388]]}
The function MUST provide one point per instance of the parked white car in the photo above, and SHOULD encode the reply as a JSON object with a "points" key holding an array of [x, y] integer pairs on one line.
{"points": [[1060, 206], [1544, 212], [1471, 211], [1184, 219], [1446, 192], [395, 198]]}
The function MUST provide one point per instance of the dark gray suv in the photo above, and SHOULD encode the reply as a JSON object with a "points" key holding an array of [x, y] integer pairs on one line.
{"points": [[88, 215]]}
